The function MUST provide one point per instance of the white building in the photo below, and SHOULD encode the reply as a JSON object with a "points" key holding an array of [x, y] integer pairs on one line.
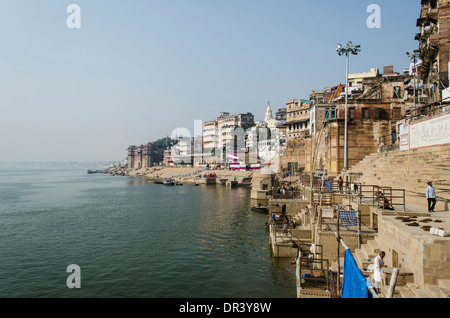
{"points": [[220, 133]]}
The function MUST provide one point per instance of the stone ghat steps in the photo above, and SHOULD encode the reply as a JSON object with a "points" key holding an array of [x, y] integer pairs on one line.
{"points": [[405, 156], [410, 170], [415, 165], [364, 257], [412, 290], [405, 167], [410, 184], [405, 287], [436, 166]]}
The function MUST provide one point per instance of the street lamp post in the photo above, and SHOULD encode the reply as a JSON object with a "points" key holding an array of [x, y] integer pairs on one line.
{"points": [[353, 49]]}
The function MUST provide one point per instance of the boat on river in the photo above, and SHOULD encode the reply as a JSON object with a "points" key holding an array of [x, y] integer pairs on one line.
{"points": [[169, 182], [260, 208]]}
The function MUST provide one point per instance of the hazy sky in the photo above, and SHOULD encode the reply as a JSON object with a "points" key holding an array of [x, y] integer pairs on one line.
{"points": [[138, 69]]}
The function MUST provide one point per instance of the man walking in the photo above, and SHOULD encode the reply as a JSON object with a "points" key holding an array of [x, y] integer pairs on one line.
{"points": [[431, 197]]}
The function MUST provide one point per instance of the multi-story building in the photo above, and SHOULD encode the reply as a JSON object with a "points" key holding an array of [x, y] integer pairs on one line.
{"points": [[355, 81], [228, 123], [145, 156], [219, 132], [293, 134], [280, 115], [210, 134], [434, 46], [372, 117], [297, 118]]}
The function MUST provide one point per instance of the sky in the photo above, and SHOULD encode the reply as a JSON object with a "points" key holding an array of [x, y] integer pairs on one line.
{"points": [[136, 70]]}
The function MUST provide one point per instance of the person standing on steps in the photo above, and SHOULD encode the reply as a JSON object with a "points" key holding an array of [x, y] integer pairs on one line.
{"points": [[431, 197], [378, 265]]}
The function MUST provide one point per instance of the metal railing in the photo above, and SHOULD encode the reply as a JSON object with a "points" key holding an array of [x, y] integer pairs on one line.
{"points": [[308, 268], [428, 110], [279, 226], [318, 250], [323, 199], [385, 198]]}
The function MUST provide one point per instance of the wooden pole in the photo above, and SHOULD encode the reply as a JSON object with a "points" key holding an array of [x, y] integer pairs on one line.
{"points": [[359, 227]]}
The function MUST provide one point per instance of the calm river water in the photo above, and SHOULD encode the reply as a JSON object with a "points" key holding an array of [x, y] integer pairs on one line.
{"points": [[131, 238]]}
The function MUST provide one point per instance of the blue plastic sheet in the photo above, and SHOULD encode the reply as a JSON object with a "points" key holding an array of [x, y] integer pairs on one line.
{"points": [[354, 284]]}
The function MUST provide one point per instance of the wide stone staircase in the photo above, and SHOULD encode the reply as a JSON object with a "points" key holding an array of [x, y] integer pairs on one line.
{"points": [[405, 286], [410, 170]]}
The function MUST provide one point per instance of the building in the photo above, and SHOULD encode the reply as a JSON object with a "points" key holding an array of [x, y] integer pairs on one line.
{"points": [[227, 123], [219, 135], [293, 134], [297, 118], [269, 121], [183, 152], [355, 81], [210, 134], [434, 47], [145, 156], [280, 115], [372, 117]]}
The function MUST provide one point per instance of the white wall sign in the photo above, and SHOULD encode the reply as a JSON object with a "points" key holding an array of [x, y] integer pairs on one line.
{"points": [[430, 132]]}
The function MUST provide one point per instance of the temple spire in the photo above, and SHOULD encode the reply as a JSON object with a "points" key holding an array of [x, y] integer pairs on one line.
{"points": [[268, 113]]}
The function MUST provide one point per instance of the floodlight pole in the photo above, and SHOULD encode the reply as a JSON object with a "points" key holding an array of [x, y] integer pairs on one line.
{"points": [[354, 49], [414, 61], [346, 114]]}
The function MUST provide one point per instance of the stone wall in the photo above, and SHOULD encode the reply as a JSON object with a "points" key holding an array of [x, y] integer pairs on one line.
{"points": [[414, 250], [330, 244], [363, 139]]}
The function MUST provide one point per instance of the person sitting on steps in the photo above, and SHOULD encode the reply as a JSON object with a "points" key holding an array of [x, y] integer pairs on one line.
{"points": [[386, 203]]}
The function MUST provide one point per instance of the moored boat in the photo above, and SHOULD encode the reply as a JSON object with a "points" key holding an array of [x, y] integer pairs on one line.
{"points": [[169, 182], [260, 208]]}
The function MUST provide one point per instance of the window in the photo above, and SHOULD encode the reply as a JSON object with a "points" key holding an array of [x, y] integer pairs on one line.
{"points": [[333, 114], [365, 113], [380, 113], [397, 92], [397, 113], [351, 112]]}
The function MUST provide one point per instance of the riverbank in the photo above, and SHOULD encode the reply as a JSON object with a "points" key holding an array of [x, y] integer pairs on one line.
{"points": [[193, 175]]}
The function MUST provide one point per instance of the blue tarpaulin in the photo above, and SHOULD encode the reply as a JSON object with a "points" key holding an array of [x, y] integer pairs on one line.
{"points": [[354, 284]]}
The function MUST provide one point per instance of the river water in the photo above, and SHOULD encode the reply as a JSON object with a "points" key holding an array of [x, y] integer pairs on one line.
{"points": [[131, 238]]}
